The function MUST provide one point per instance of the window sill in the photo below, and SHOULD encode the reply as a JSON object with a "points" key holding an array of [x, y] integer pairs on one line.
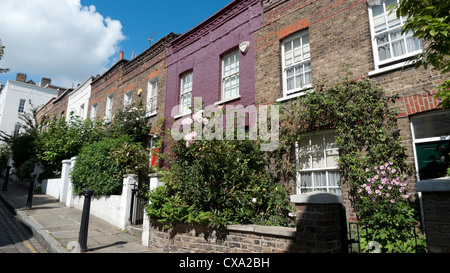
{"points": [[299, 94], [152, 114], [227, 100], [182, 115]]}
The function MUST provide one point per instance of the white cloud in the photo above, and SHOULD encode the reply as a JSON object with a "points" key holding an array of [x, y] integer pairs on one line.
{"points": [[59, 39]]}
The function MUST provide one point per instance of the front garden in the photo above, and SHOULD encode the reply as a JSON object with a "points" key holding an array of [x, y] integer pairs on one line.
{"points": [[222, 182]]}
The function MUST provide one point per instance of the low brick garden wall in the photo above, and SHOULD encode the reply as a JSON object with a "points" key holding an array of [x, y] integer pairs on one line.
{"points": [[192, 238], [320, 228]]}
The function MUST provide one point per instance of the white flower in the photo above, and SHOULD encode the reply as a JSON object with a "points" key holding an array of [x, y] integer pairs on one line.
{"points": [[186, 121], [253, 200], [190, 137], [198, 116], [205, 121]]}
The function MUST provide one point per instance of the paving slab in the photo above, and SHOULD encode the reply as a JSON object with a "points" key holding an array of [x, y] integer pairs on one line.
{"points": [[57, 226]]}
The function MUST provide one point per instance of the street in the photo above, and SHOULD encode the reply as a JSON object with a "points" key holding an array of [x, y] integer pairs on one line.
{"points": [[15, 237]]}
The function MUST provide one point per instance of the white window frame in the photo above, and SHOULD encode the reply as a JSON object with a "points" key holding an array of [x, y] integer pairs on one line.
{"points": [[17, 128], [127, 99], [297, 91], [314, 171], [22, 103], [82, 111], [94, 111], [109, 106], [423, 140], [186, 92], [226, 77], [152, 97], [382, 66]]}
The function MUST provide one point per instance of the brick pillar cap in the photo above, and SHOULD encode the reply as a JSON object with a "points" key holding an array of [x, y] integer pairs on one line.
{"points": [[317, 198], [155, 175]]}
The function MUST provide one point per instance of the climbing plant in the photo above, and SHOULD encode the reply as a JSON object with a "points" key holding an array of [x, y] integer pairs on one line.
{"points": [[366, 128]]}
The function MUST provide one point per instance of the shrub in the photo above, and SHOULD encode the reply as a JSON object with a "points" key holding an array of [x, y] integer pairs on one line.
{"points": [[130, 121], [384, 209], [132, 158], [96, 170], [23, 150], [64, 140], [5, 153]]}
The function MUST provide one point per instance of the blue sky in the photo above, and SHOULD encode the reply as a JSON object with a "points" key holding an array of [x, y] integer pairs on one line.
{"points": [[70, 40], [143, 18]]}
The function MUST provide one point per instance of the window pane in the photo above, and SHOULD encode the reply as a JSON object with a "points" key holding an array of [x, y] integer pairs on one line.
{"points": [[318, 160], [384, 52], [333, 179], [377, 10], [393, 21], [379, 24], [398, 48], [413, 44], [317, 143], [305, 180], [332, 157], [330, 141], [297, 50], [435, 125], [304, 162], [320, 179], [382, 39]]}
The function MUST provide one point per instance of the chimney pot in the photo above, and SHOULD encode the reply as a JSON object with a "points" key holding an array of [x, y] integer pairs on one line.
{"points": [[21, 77], [45, 81], [121, 56]]}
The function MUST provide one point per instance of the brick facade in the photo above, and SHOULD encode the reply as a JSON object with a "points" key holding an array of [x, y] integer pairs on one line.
{"points": [[201, 50], [339, 35], [131, 76], [56, 107]]}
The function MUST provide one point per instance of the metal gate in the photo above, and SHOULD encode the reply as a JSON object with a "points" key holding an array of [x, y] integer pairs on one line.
{"points": [[138, 203], [356, 233]]}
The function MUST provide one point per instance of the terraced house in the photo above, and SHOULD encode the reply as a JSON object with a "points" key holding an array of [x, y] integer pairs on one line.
{"points": [[307, 42], [214, 61], [141, 79]]}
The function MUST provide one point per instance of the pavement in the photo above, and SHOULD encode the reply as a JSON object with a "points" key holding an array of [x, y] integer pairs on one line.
{"points": [[57, 226]]}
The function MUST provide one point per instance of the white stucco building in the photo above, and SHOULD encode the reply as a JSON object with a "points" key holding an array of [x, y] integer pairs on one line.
{"points": [[15, 98], [79, 100]]}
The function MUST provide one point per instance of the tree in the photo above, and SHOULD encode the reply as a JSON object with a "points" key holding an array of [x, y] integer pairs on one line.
{"points": [[430, 20], [2, 70]]}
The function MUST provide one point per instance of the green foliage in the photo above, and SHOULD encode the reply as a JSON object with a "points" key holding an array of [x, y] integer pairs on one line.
{"points": [[430, 20], [132, 158], [359, 112], [2, 70], [219, 182], [64, 139], [5, 153], [384, 210], [367, 134], [130, 121], [24, 155], [94, 168]]}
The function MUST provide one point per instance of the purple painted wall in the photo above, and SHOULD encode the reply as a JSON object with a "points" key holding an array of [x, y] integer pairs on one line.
{"points": [[201, 49]]}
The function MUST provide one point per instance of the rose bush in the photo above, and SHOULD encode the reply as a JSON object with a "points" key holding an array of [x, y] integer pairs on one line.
{"points": [[218, 182]]}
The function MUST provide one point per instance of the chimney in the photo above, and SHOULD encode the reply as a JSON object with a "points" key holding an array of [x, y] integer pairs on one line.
{"points": [[45, 81], [121, 56], [21, 77]]}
